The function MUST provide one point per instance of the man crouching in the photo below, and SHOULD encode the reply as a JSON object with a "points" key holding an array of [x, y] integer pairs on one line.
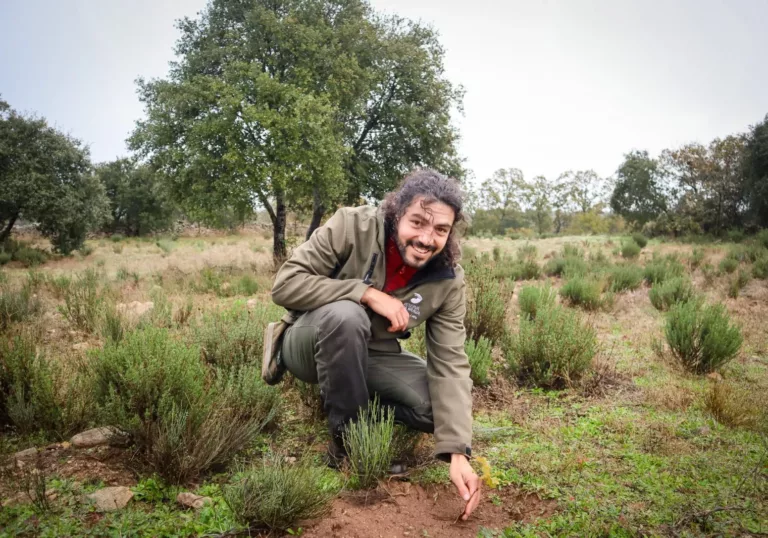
{"points": [[363, 280]]}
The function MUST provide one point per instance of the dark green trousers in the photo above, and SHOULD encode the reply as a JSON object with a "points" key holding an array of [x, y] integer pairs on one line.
{"points": [[330, 346]]}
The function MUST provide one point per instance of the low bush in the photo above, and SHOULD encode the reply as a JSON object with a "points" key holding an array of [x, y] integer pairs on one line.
{"points": [[5, 257], [533, 298], [630, 250], [734, 406], [17, 305], [660, 269], [30, 257], [762, 238], [85, 250], [551, 350], [527, 252], [113, 324], [116, 238], [728, 265], [701, 336], [480, 359], [368, 441], [665, 294], [566, 267], [525, 270], [625, 277], [276, 495], [696, 259], [487, 301], [582, 292], [417, 342], [735, 235], [183, 418], [572, 251], [468, 252], [760, 268], [640, 239], [165, 245], [235, 336], [83, 301], [246, 285], [738, 283], [599, 260]]}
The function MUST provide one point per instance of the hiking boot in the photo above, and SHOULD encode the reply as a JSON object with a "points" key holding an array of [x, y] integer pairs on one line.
{"points": [[336, 454], [272, 366]]}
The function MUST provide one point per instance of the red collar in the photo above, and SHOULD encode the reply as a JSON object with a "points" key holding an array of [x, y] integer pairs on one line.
{"points": [[398, 273]]}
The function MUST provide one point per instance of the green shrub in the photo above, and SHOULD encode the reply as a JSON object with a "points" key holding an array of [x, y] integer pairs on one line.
{"points": [[527, 270], [738, 283], [5, 257], [630, 250], [599, 259], [468, 252], [16, 305], [166, 245], [762, 238], [625, 277], [728, 265], [735, 235], [709, 272], [551, 350], [582, 292], [640, 239], [368, 441], [697, 256], [83, 301], [701, 336], [234, 337], [533, 298], [116, 238], [182, 418], [527, 252], [27, 393], [30, 257], [755, 251], [246, 285], [487, 301], [417, 342], [572, 251], [85, 250], [113, 326], [660, 269], [665, 294], [480, 359], [276, 495], [566, 267], [760, 268], [496, 253], [738, 253]]}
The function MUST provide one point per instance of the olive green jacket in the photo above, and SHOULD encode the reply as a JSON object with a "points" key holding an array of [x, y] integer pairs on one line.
{"points": [[340, 261]]}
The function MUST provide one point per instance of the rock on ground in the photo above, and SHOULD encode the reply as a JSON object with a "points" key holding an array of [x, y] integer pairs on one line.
{"points": [[135, 309], [111, 498], [190, 500], [94, 437]]}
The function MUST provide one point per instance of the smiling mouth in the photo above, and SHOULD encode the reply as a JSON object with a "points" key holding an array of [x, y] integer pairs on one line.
{"points": [[422, 252]]}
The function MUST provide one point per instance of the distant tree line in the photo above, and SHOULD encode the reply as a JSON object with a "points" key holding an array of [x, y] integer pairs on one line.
{"points": [[694, 189]]}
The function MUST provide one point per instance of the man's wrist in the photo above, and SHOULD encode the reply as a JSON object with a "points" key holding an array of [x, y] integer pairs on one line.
{"points": [[457, 456]]}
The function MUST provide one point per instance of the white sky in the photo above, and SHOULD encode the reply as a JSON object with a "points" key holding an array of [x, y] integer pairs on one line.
{"points": [[551, 85]]}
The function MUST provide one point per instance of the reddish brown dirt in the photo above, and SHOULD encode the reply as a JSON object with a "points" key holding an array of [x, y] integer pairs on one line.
{"points": [[402, 509]]}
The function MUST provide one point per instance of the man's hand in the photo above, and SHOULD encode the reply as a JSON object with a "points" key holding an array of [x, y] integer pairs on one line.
{"points": [[466, 481], [387, 306]]}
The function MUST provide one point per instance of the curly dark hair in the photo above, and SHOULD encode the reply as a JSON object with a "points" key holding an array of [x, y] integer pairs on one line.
{"points": [[434, 187]]}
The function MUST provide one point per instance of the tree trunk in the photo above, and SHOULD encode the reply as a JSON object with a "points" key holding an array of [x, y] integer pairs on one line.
{"points": [[318, 210], [6, 233], [278, 226]]}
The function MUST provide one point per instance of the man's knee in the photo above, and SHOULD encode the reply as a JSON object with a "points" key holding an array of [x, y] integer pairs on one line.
{"points": [[345, 316]]}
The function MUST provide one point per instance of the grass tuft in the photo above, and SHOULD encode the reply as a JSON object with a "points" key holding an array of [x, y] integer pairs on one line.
{"points": [[368, 441], [480, 359], [669, 292]]}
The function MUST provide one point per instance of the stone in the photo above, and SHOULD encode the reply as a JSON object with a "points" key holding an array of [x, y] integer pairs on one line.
{"points": [[27, 454], [93, 437], [715, 376], [190, 500], [135, 309], [111, 498]]}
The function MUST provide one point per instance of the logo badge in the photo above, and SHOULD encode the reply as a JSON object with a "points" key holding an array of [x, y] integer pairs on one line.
{"points": [[416, 299]]}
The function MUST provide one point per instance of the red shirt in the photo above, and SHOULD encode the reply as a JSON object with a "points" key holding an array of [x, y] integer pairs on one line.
{"points": [[398, 274]]}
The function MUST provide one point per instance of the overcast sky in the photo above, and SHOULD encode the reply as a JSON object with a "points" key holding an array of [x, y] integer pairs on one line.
{"points": [[551, 85]]}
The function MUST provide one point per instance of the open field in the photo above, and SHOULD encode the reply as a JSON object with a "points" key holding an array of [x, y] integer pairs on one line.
{"points": [[635, 446]]}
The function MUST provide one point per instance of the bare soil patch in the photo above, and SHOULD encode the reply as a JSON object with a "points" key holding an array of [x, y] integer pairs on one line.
{"points": [[402, 509]]}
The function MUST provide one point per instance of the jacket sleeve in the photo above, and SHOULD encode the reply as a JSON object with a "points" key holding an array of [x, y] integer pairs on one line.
{"points": [[304, 282], [450, 387]]}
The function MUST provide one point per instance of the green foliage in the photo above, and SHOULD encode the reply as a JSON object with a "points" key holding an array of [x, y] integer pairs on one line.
{"points": [[116, 238], [582, 292], [738, 283], [45, 178], [552, 350], [728, 265], [368, 441], [569, 267], [138, 199], [572, 251], [5, 257], [234, 337], [29, 257], [113, 326], [533, 298], [660, 269], [669, 292], [166, 245], [701, 336], [630, 250], [638, 195], [625, 277], [527, 252], [83, 301], [760, 268], [480, 359], [487, 301], [640, 239], [182, 418], [762, 238], [697, 256], [276, 495], [16, 305], [417, 342]]}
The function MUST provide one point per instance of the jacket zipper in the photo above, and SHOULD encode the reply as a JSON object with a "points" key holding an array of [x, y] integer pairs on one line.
{"points": [[369, 274]]}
